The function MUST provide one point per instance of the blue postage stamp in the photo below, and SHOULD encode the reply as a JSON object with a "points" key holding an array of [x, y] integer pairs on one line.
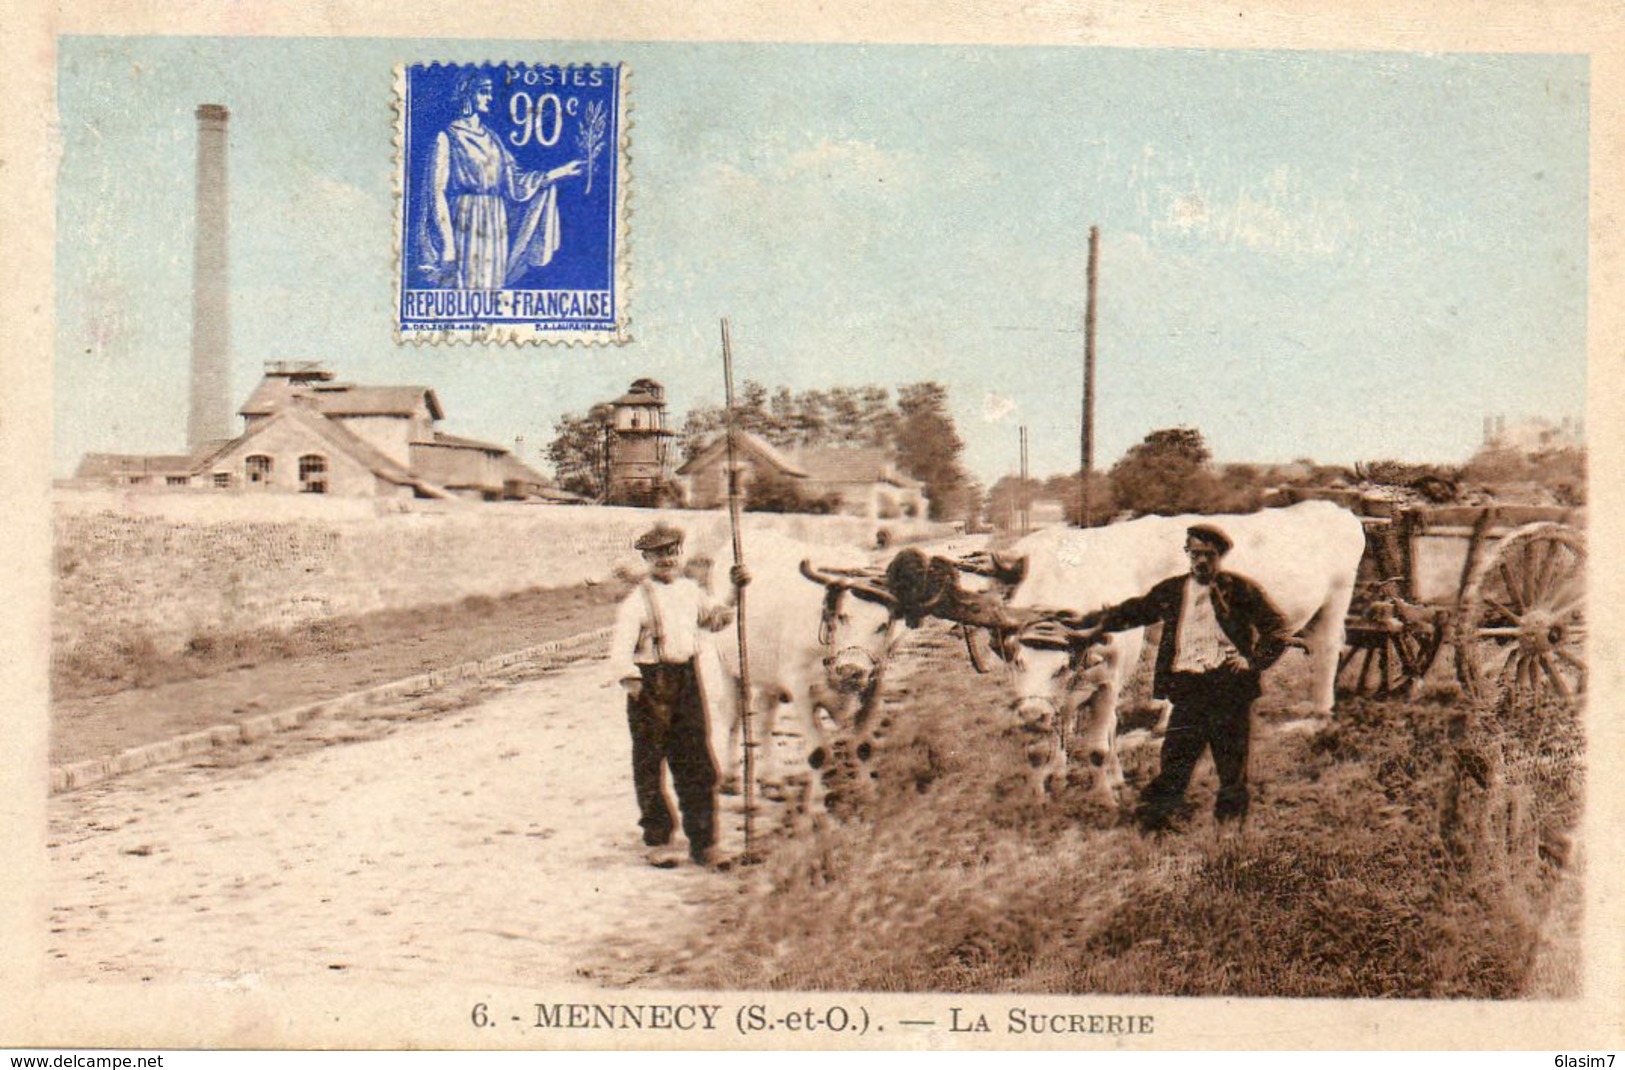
{"points": [[511, 203]]}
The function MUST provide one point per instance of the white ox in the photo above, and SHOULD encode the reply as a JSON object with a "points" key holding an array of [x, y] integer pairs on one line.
{"points": [[814, 648], [1303, 556]]}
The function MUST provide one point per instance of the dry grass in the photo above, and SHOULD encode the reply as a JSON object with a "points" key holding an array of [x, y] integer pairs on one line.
{"points": [[514, 621], [1374, 864]]}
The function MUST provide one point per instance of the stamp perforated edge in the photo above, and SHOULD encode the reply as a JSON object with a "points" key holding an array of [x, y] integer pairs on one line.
{"points": [[516, 334]]}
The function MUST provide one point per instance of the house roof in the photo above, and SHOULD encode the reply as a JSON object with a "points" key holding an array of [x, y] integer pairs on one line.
{"points": [[457, 442], [515, 469], [717, 451], [642, 392], [841, 464], [556, 496], [343, 399], [336, 436], [106, 465]]}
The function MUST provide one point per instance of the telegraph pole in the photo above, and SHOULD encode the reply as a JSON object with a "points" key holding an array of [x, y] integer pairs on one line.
{"points": [[1022, 501], [1085, 516]]}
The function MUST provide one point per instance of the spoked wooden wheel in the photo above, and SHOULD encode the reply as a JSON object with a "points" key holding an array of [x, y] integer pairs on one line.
{"points": [[1394, 650], [1520, 639]]}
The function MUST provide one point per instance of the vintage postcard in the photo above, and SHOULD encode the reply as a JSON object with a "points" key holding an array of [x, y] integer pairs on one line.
{"points": [[1043, 527]]}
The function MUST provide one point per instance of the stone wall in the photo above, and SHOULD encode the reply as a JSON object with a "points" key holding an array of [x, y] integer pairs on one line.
{"points": [[171, 567]]}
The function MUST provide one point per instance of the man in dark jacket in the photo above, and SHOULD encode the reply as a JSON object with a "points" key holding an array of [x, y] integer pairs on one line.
{"points": [[1220, 631]]}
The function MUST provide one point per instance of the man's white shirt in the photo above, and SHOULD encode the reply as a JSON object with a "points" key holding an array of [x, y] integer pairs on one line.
{"points": [[1202, 644], [684, 610]]}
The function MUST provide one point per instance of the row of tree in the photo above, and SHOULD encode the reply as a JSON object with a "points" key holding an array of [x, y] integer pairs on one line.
{"points": [[918, 428], [1171, 471]]}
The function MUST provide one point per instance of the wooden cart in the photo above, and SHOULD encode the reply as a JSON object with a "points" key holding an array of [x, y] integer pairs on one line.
{"points": [[1502, 586]]}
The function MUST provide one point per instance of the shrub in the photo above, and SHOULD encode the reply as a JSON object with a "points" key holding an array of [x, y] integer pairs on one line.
{"points": [[1168, 473], [773, 492]]}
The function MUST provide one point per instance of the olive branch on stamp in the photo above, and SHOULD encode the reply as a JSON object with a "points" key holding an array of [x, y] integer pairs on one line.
{"points": [[590, 138]]}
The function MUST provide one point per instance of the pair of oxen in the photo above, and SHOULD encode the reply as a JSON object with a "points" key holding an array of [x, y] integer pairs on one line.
{"points": [[820, 635]]}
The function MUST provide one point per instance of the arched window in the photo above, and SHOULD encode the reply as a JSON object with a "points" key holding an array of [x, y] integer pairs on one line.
{"points": [[257, 470], [313, 474]]}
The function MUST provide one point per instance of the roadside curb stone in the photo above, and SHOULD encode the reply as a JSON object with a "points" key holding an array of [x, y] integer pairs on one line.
{"points": [[72, 776]]}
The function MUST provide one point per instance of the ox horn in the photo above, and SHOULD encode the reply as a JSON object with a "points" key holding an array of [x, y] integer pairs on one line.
{"points": [[860, 585], [1008, 569], [820, 576], [1048, 634], [873, 592], [1055, 629]]}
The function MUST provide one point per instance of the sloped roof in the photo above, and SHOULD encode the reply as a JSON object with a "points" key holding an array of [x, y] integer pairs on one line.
{"points": [[459, 443], [267, 397], [515, 469], [343, 399], [747, 443], [560, 497], [644, 391], [335, 435], [638, 397], [842, 464], [206, 459], [106, 465]]}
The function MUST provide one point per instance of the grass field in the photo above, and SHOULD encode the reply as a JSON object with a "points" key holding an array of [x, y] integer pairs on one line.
{"points": [[1402, 849]]}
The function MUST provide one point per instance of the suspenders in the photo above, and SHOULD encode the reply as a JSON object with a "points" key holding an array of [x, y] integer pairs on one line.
{"points": [[657, 630]]}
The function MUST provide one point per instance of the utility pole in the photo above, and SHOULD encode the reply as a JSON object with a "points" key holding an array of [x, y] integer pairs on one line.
{"points": [[1024, 504], [1085, 517]]}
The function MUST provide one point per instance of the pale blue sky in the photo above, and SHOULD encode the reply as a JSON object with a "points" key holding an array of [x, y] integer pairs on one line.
{"points": [[1335, 255]]}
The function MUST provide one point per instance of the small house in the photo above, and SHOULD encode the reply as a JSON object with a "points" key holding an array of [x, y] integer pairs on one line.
{"points": [[305, 433]]}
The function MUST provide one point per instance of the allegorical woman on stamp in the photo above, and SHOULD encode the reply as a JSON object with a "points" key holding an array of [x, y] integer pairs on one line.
{"points": [[473, 178]]}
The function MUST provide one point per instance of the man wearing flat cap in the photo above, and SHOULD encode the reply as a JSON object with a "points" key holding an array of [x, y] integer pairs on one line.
{"points": [[1220, 632], [653, 652]]}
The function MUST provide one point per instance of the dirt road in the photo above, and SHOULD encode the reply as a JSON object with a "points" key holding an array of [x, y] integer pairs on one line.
{"points": [[494, 843]]}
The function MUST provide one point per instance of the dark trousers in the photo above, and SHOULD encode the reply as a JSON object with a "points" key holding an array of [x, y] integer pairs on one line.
{"points": [[1211, 710], [669, 728]]}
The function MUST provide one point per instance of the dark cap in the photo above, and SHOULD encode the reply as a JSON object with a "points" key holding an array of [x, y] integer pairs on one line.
{"points": [[1211, 535], [659, 537]]}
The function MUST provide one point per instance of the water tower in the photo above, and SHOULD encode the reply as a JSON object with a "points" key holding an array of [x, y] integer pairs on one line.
{"points": [[639, 447]]}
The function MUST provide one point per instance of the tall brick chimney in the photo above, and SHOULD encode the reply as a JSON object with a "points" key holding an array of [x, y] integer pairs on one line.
{"points": [[209, 417]]}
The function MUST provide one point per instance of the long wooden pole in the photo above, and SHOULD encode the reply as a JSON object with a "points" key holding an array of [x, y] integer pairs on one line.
{"points": [[1088, 445], [744, 693]]}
